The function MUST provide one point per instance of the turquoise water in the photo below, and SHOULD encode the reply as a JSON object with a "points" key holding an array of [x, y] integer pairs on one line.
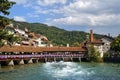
{"points": [[62, 71]]}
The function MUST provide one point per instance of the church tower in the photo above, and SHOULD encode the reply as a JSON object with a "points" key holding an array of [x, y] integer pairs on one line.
{"points": [[91, 36]]}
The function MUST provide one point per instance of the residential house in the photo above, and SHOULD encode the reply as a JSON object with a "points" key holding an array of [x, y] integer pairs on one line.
{"points": [[97, 43], [28, 38], [107, 42]]}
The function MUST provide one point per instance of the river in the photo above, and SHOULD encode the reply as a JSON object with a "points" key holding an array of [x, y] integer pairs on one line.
{"points": [[61, 71]]}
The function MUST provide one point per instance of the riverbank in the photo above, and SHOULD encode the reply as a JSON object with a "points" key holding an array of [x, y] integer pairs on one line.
{"points": [[112, 59]]}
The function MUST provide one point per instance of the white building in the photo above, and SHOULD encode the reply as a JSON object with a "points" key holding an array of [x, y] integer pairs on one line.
{"points": [[97, 43], [28, 38], [107, 42], [41, 41]]}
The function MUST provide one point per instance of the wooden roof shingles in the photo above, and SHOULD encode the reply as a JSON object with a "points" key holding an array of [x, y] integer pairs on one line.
{"points": [[38, 49]]}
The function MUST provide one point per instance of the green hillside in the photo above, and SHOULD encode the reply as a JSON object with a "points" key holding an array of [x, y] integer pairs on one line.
{"points": [[55, 35]]}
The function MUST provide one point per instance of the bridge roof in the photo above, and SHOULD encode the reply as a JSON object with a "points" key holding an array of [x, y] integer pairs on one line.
{"points": [[38, 49]]}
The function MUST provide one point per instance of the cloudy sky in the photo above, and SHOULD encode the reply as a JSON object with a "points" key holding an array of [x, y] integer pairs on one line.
{"points": [[103, 16]]}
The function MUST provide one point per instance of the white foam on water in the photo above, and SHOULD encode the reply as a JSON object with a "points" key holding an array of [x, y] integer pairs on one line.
{"points": [[63, 69]]}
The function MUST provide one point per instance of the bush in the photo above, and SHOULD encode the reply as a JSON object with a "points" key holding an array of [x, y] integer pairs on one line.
{"points": [[94, 55]]}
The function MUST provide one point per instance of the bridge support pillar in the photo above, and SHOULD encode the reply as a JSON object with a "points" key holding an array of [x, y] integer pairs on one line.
{"points": [[36, 60], [80, 59], [21, 62], [30, 61], [63, 58], [54, 59], [45, 59], [71, 59], [0, 65], [11, 63]]}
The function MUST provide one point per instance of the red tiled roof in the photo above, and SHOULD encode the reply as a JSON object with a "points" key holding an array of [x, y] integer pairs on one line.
{"points": [[38, 49], [32, 34], [44, 38], [96, 41]]}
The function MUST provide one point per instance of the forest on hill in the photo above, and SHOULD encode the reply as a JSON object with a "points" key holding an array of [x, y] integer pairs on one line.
{"points": [[56, 35]]}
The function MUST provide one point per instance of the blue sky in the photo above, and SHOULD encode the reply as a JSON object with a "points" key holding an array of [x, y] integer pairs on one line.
{"points": [[103, 16]]}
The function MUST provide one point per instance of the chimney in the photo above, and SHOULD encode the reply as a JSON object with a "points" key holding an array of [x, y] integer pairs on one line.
{"points": [[67, 45], [91, 36]]}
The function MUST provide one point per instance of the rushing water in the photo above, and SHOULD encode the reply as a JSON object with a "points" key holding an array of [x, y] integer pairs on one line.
{"points": [[61, 71]]}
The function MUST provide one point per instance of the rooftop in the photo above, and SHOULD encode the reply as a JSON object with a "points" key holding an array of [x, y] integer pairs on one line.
{"points": [[38, 49], [92, 40]]}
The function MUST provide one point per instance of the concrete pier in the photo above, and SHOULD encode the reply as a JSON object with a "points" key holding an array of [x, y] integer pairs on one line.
{"points": [[45, 59], [11, 63], [71, 59], [21, 62], [29, 58], [63, 58], [79, 59], [54, 59], [30, 61]]}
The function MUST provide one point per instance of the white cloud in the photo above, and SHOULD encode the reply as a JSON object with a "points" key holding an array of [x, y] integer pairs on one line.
{"points": [[70, 20], [19, 18], [88, 13], [89, 6], [80, 4], [105, 20], [50, 2], [88, 20]]}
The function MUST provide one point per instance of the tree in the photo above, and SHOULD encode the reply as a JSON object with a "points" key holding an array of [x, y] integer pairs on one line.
{"points": [[76, 44], [93, 54], [5, 37], [116, 44], [106, 55], [5, 5]]}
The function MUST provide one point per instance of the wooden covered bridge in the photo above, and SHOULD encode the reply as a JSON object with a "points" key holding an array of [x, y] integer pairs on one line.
{"points": [[29, 54]]}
